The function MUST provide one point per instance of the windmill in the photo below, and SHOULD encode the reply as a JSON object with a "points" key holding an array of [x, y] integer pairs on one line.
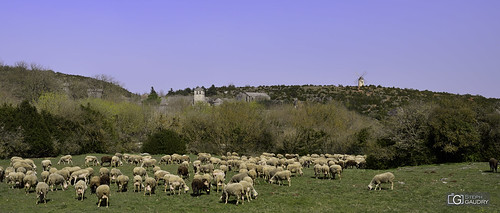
{"points": [[361, 80]]}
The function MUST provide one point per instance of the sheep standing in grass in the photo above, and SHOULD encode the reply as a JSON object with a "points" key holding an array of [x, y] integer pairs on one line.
{"points": [[140, 171], [91, 160], [232, 189], [55, 180], [493, 164], [149, 186], [248, 190], [45, 176], [42, 189], [80, 188], [387, 177], [65, 159], [30, 181], [46, 164], [183, 171], [114, 174], [103, 192], [122, 183], [138, 186], [116, 162], [106, 159], [94, 182], [199, 185], [336, 169], [295, 168], [281, 176], [104, 171], [219, 181]]}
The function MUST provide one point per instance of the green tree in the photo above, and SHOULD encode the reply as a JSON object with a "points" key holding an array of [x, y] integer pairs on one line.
{"points": [[153, 98], [211, 91], [164, 141]]}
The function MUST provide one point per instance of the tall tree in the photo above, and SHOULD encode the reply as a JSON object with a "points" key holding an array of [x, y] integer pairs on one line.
{"points": [[153, 98]]}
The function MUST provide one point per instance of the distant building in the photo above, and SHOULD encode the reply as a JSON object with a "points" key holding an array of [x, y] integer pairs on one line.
{"points": [[199, 95], [252, 96]]}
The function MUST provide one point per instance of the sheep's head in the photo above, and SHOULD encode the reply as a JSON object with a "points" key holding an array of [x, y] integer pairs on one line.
{"points": [[370, 186]]}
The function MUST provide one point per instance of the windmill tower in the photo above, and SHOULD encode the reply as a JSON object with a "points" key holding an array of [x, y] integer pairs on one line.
{"points": [[361, 81]]}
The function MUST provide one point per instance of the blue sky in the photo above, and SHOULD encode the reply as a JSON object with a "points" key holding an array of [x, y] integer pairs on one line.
{"points": [[438, 45]]}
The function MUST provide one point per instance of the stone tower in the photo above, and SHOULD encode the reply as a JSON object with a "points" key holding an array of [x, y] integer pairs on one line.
{"points": [[199, 95]]}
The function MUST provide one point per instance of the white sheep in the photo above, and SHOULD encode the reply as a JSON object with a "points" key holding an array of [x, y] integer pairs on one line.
{"points": [[42, 189], [138, 186], [30, 181], [103, 192], [46, 164], [80, 174], [91, 160], [80, 188], [387, 177], [281, 176], [114, 174], [140, 171], [104, 171], [45, 176], [336, 169], [55, 180], [116, 162], [248, 190], [65, 159], [122, 183], [232, 189], [149, 186]]}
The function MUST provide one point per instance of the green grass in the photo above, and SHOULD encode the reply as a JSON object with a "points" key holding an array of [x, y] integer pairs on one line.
{"points": [[416, 189]]}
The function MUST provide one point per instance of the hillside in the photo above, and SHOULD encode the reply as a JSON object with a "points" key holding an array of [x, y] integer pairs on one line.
{"points": [[22, 83], [374, 101]]}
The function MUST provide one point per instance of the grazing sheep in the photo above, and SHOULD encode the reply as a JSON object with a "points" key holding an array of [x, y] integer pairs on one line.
{"points": [[238, 177], [42, 189], [106, 159], [95, 182], [46, 164], [253, 174], [149, 186], [281, 176], [295, 168], [175, 183], [167, 159], [21, 169], [45, 176], [183, 171], [140, 171], [91, 171], [114, 174], [104, 171], [103, 192], [248, 190], [138, 186], [65, 159], [91, 160], [493, 164], [336, 169], [148, 163], [78, 175], [156, 168], [219, 181], [30, 181], [207, 168], [232, 189], [159, 175], [122, 183], [64, 173], [52, 170], [80, 188], [104, 180], [55, 180], [387, 177], [116, 162], [200, 185], [16, 179], [196, 166]]}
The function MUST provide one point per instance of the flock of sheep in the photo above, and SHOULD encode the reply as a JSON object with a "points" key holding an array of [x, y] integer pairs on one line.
{"points": [[209, 173]]}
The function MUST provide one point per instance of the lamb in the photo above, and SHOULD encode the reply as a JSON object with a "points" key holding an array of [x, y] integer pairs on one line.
{"points": [[493, 164], [114, 174], [115, 161], [103, 192], [140, 171], [280, 176], [65, 159], [95, 182], [42, 189], [336, 169], [138, 183], [387, 177], [232, 189], [106, 159], [150, 186], [30, 181], [183, 171], [200, 185], [91, 160], [56, 179], [122, 183], [80, 188], [46, 164]]}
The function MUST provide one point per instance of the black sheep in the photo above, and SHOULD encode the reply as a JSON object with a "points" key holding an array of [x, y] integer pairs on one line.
{"points": [[200, 185], [493, 164], [183, 171], [106, 159]]}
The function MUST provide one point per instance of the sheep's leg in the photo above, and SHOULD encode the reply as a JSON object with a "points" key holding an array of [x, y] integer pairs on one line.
{"points": [[392, 185], [99, 203]]}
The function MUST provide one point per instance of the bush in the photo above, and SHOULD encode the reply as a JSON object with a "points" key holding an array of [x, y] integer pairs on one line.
{"points": [[164, 141]]}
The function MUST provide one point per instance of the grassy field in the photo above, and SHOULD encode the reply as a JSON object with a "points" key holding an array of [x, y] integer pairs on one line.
{"points": [[416, 189]]}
